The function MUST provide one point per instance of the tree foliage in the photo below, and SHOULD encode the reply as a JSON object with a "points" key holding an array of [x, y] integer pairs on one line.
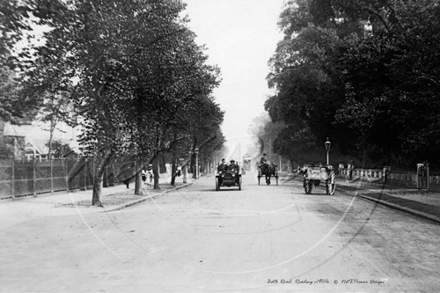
{"points": [[357, 71], [130, 69], [267, 133]]}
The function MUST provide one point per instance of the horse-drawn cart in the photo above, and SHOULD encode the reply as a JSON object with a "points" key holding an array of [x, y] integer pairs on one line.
{"points": [[268, 170], [313, 176]]}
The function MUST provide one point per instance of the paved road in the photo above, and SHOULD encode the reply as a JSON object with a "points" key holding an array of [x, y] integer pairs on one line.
{"points": [[260, 239]]}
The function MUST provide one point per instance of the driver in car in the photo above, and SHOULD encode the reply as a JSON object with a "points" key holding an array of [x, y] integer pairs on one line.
{"points": [[234, 166], [222, 166]]}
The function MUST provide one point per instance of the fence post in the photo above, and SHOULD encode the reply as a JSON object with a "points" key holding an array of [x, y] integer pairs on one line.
{"points": [[85, 174], [427, 177], [13, 179], [385, 174], [66, 170], [34, 176], [93, 173], [51, 175]]}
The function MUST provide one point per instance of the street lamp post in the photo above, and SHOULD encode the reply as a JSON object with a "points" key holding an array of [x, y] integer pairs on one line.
{"points": [[327, 145], [197, 162]]}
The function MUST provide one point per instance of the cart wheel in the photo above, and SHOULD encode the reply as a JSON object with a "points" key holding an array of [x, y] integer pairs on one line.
{"points": [[308, 188], [217, 185]]}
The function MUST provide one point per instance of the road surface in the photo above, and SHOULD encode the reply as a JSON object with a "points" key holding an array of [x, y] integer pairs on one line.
{"points": [[261, 239]]}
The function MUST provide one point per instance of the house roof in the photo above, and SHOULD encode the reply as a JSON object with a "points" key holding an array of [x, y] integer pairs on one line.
{"points": [[38, 135], [12, 130]]}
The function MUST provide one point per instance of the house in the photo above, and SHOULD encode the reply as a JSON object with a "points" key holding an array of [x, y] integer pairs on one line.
{"points": [[14, 139], [30, 139]]}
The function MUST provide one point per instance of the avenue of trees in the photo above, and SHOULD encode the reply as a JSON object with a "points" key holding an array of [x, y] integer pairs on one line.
{"points": [[265, 133], [127, 71], [365, 73]]}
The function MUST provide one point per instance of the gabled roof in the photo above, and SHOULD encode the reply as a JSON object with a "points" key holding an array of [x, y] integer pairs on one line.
{"points": [[12, 130], [38, 136]]}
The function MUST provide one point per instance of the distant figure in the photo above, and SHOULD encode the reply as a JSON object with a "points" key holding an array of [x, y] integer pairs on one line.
{"points": [[150, 172], [144, 175], [263, 164], [127, 173], [263, 159], [178, 172], [350, 170]]}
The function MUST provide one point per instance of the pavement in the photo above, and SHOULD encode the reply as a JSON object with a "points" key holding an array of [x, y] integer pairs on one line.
{"points": [[422, 203], [72, 202]]}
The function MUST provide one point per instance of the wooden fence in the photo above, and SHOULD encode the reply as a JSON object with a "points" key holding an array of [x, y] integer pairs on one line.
{"points": [[23, 178]]}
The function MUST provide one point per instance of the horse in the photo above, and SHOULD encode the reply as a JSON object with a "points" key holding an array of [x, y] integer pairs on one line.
{"points": [[267, 170]]}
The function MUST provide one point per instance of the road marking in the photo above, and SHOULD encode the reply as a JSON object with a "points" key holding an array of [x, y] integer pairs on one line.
{"points": [[96, 236], [293, 258]]}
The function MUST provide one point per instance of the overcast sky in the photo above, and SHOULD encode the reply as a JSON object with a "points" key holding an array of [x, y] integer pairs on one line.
{"points": [[241, 36]]}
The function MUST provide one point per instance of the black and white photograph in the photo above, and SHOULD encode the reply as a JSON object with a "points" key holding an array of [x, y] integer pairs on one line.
{"points": [[223, 146]]}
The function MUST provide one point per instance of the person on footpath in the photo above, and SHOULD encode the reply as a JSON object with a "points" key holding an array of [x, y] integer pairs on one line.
{"points": [[144, 175], [150, 174]]}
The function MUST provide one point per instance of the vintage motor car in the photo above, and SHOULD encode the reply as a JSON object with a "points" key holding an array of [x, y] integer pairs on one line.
{"points": [[227, 178]]}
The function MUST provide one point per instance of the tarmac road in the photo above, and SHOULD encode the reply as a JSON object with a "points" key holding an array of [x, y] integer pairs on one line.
{"points": [[260, 239]]}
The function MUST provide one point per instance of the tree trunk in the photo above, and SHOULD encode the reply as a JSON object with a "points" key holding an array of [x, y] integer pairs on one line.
{"points": [[52, 128], [97, 190], [173, 168], [291, 164], [105, 178], [173, 173], [99, 177], [138, 177], [184, 173], [156, 172], [193, 166]]}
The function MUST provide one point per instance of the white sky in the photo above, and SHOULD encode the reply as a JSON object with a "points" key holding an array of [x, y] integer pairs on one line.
{"points": [[240, 36]]}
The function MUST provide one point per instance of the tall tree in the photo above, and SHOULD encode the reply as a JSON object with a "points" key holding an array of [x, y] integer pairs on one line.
{"points": [[342, 71], [128, 67]]}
